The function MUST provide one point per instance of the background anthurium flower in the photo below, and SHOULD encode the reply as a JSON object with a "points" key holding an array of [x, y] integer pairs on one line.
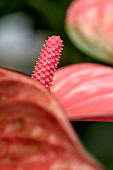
{"points": [[85, 91], [34, 132], [89, 24]]}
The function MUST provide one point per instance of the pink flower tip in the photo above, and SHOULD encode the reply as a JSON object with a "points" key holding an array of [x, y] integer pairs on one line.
{"points": [[47, 62]]}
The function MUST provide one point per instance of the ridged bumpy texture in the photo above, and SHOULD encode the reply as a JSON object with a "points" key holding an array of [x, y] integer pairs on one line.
{"points": [[48, 60]]}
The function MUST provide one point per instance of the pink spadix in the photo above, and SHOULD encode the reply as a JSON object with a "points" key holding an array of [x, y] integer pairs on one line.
{"points": [[48, 60]]}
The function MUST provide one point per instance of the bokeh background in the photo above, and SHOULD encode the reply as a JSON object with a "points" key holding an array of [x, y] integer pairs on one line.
{"points": [[24, 27]]}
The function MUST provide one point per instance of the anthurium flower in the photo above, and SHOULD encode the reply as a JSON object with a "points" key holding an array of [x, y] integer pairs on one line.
{"points": [[85, 91], [34, 131], [89, 24]]}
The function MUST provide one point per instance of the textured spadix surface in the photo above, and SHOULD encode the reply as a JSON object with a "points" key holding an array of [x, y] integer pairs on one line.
{"points": [[47, 62], [85, 91], [34, 133], [89, 24]]}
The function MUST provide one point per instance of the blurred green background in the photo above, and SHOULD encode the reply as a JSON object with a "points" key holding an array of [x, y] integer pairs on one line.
{"points": [[24, 27]]}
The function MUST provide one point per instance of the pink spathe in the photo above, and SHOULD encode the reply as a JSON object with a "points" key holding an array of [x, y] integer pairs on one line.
{"points": [[89, 25]]}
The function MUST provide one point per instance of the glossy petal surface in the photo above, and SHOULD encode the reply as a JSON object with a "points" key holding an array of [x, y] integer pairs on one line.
{"points": [[89, 24], [34, 133], [85, 91]]}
